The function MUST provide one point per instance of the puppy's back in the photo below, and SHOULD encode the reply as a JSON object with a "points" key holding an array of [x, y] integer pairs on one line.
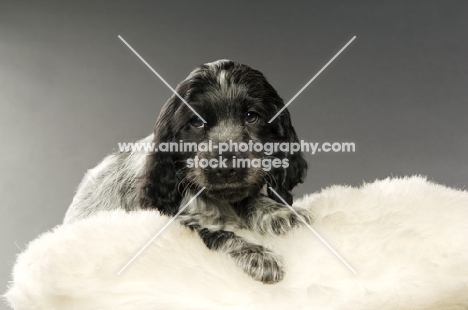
{"points": [[110, 185]]}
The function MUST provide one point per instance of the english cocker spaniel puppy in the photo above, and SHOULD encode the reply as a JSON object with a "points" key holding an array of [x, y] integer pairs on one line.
{"points": [[236, 102]]}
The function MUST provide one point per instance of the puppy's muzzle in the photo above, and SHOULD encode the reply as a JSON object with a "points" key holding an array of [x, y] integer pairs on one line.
{"points": [[227, 170]]}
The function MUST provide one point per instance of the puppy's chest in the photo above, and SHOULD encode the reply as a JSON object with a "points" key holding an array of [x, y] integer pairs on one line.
{"points": [[219, 215]]}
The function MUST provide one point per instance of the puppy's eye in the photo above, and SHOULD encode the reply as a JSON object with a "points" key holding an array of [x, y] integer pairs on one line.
{"points": [[196, 122], [251, 118]]}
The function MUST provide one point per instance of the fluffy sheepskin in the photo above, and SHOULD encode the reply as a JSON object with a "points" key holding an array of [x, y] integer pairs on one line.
{"points": [[407, 239]]}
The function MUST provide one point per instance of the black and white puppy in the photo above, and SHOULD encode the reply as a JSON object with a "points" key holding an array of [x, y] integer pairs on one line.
{"points": [[237, 102]]}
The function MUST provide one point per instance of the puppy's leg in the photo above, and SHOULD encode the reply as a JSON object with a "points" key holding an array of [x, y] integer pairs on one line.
{"points": [[257, 261], [215, 222], [266, 216]]}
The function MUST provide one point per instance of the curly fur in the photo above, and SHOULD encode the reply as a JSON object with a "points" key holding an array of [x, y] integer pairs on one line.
{"points": [[223, 93], [406, 238]]}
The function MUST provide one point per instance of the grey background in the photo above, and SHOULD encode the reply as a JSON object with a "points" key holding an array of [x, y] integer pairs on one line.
{"points": [[70, 89]]}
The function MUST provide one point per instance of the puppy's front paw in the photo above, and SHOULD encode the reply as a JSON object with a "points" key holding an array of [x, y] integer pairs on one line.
{"points": [[306, 215], [281, 221], [260, 263]]}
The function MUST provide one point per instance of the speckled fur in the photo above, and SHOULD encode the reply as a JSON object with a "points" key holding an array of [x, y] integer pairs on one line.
{"points": [[222, 92]]}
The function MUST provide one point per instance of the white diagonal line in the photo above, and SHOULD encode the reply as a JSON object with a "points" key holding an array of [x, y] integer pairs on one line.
{"points": [[159, 232], [316, 233], [311, 80], [161, 78]]}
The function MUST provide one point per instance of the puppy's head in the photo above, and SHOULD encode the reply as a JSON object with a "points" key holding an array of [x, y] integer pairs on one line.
{"points": [[236, 102]]}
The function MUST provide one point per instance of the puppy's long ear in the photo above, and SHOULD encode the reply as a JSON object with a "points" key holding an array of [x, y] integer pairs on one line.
{"points": [[159, 185], [287, 178]]}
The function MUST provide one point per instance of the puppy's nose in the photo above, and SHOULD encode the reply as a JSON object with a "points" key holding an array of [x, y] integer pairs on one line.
{"points": [[225, 173]]}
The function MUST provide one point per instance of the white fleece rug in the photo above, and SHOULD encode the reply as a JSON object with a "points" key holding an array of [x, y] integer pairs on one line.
{"points": [[406, 238]]}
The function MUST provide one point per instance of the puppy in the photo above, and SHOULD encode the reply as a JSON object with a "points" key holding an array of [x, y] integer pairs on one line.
{"points": [[236, 102]]}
